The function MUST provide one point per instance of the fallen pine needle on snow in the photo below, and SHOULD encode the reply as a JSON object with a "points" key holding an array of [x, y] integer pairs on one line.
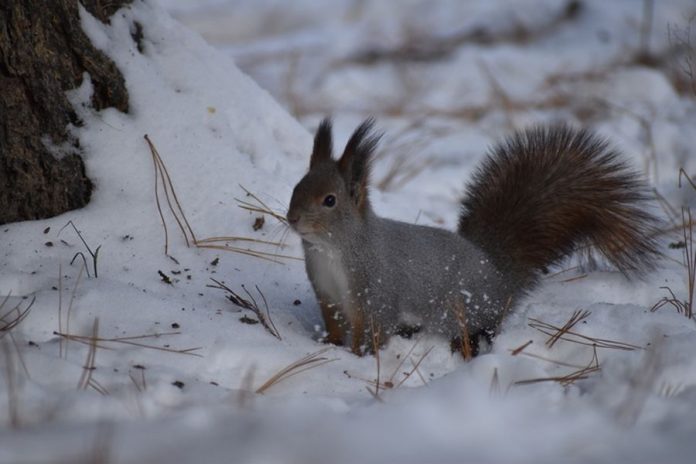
{"points": [[104, 342], [251, 305], [311, 361], [215, 243]]}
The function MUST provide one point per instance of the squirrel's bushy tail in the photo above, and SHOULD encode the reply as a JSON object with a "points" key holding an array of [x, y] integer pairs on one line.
{"points": [[548, 191]]}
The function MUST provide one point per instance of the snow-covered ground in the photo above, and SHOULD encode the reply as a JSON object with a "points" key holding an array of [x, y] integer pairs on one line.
{"points": [[169, 370]]}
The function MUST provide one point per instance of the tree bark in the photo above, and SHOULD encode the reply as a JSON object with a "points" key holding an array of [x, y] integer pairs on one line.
{"points": [[44, 53]]}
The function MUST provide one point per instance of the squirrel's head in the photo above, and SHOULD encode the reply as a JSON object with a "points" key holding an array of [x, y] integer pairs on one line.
{"points": [[332, 197]]}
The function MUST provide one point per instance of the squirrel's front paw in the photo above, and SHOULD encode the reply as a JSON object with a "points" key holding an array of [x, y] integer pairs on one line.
{"points": [[332, 339]]}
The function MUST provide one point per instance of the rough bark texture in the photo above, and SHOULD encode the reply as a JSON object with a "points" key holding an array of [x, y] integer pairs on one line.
{"points": [[44, 53]]}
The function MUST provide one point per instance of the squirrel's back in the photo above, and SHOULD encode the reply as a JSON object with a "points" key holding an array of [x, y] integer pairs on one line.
{"points": [[548, 191]]}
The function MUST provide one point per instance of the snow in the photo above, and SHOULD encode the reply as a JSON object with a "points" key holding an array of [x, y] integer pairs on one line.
{"points": [[218, 133]]}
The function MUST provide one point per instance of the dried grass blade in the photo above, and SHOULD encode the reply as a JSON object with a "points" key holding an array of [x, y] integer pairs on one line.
{"points": [[310, 361]]}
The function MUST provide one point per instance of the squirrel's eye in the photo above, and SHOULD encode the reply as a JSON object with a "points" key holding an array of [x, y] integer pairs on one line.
{"points": [[330, 201]]}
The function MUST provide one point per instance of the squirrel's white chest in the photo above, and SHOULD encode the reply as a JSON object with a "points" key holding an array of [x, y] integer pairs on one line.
{"points": [[328, 275]]}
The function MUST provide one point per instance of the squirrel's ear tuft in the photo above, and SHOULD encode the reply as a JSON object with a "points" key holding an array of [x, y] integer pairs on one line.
{"points": [[323, 144], [354, 165]]}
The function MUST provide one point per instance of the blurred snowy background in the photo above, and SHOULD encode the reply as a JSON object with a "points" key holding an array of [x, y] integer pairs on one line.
{"points": [[448, 78], [459, 73]]}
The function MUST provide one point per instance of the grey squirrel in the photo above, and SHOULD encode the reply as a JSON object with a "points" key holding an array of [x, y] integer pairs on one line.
{"points": [[537, 197]]}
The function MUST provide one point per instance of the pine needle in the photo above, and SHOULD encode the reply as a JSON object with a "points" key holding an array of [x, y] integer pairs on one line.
{"points": [[574, 337], [251, 305], [216, 243], [104, 343], [311, 361]]}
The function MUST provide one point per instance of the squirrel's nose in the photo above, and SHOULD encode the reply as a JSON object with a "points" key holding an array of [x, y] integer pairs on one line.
{"points": [[293, 219]]}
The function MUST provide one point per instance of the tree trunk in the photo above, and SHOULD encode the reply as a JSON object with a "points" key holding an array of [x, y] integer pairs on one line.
{"points": [[44, 53]]}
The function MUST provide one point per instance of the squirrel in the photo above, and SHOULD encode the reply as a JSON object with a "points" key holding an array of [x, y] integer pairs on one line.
{"points": [[537, 197]]}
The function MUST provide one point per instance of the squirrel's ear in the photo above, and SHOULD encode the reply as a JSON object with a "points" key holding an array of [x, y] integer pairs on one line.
{"points": [[354, 165], [323, 144]]}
